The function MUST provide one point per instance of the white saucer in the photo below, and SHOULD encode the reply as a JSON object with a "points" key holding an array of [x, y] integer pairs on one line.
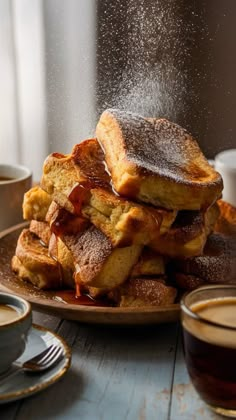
{"points": [[23, 385]]}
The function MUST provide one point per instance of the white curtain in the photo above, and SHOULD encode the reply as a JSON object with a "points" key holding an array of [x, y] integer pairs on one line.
{"points": [[47, 78]]}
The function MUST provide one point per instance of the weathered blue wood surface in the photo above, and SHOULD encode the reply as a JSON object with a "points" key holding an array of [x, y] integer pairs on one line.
{"points": [[116, 373]]}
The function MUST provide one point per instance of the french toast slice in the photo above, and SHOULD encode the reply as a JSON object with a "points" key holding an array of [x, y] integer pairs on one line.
{"points": [[156, 161], [41, 230], [59, 252], [56, 248], [97, 263], [38, 278], [149, 264], [59, 178], [140, 292], [217, 264], [188, 281], [188, 234], [32, 262], [84, 167], [35, 204], [123, 221]]}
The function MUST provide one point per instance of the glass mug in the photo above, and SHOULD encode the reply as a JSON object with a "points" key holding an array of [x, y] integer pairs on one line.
{"points": [[208, 317]]}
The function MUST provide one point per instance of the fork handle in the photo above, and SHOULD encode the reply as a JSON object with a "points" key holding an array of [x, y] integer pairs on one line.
{"points": [[9, 375]]}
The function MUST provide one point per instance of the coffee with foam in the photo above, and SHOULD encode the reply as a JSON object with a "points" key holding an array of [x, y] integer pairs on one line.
{"points": [[8, 314], [220, 311]]}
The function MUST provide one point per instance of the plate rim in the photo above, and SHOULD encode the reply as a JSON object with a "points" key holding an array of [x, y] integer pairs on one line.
{"points": [[31, 390]]}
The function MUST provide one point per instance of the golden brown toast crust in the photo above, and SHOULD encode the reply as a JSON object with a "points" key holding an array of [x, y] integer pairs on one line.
{"points": [[41, 230], [34, 257], [156, 161]]}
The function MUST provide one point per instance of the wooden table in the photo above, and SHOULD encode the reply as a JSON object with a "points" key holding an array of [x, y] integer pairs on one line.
{"points": [[116, 374]]}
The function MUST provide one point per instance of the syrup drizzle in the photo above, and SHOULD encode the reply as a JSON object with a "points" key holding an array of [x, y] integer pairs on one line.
{"points": [[78, 196], [65, 223], [69, 297]]}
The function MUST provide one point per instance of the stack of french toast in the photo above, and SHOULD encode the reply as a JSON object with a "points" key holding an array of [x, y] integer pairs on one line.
{"points": [[127, 216]]}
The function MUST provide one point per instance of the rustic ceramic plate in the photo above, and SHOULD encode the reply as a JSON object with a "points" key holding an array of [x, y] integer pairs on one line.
{"points": [[24, 385], [48, 302]]}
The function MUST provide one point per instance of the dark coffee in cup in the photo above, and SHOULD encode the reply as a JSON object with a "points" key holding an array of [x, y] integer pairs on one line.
{"points": [[210, 351]]}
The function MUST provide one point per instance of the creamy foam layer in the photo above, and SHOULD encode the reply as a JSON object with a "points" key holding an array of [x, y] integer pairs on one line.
{"points": [[221, 311], [8, 314]]}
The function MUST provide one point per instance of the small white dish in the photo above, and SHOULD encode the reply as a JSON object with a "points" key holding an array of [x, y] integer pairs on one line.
{"points": [[24, 385]]}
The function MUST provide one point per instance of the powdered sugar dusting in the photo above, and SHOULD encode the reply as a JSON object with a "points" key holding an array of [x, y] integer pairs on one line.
{"points": [[146, 65], [217, 264], [90, 250], [161, 147]]}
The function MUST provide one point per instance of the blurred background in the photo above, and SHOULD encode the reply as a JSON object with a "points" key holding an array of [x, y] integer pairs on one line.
{"points": [[64, 62]]}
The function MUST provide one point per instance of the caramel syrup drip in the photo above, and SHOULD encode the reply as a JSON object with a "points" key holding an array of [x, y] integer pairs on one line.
{"points": [[90, 159], [80, 193], [78, 196], [58, 155], [93, 173], [70, 297], [65, 223], [52, 252]]}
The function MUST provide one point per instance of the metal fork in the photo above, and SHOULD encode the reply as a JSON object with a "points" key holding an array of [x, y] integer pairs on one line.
{"points": [[42, 361]]}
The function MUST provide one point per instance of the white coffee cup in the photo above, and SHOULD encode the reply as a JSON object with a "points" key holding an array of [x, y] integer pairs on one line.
{"points": [[15, 180], [225, 164]]}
